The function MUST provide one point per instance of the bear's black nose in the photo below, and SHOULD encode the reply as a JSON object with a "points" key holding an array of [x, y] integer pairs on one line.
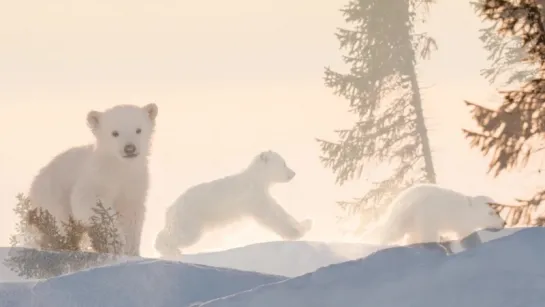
{"points": [[129, 149]]}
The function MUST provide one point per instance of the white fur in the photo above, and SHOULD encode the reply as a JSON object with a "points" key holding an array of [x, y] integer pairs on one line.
{"points": [[73, 182], [217, 203], [424, 212]]}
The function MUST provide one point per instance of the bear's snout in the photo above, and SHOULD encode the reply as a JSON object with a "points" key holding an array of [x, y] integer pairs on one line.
{"points": [[130, 150], [496, 229], [291, 174]]}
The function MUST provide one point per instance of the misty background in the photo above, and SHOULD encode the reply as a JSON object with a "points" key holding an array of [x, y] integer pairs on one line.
{"points": [[230, 79]]}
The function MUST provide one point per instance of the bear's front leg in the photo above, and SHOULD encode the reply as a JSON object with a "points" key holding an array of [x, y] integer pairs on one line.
{"points": [[131, 210], [83, 201], [131, 224], [471, 241], [273, 216]]}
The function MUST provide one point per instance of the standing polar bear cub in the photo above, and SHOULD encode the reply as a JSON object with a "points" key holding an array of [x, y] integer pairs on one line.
{"points": [[114, 170], [422, 213], [226, 200]]}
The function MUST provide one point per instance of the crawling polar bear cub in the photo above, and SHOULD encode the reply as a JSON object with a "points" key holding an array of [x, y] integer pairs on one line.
{"points": [[223, 201], [114, 170], [422, 213]]}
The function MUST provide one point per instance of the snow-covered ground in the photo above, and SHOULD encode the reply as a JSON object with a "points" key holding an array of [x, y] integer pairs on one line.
{"points": [[283, 258], [276, 258], [286, 258], [299, 257], [137, 283], [508, 271], [155, 283]]}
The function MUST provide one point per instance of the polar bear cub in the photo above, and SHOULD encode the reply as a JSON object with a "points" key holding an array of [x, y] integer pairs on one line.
{"points": [[220, 202], [114, 170], [422, 213]]}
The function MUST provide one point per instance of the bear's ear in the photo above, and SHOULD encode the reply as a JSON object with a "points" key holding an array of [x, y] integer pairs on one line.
{"points": [[152, 110], [264, 157], [93, 119]]}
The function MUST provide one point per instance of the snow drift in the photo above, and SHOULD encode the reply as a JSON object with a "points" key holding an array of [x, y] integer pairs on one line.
{"points": [[506, 272], [16, 294], [286, 258], [144, 283]]}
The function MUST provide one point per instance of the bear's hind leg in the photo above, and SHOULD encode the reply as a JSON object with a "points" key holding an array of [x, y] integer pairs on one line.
{"points": [[432, 238], [411, 238], [189, 236], [167, 246], [428, 235], [172, 239]]}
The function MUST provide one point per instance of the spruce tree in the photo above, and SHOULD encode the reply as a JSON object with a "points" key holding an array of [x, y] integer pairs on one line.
{"points": [[514, 133], [382, 89], [506, 54]]}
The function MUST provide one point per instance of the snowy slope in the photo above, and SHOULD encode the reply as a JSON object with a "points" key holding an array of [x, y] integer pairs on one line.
{"points": [[276, 258], [506, 272], [6, 275], [286, 258], [295, 258], [16, 294], [144, 283]]}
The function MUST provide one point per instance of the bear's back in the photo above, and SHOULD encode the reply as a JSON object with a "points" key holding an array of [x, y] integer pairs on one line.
{"points": [[222, 199], [429, 198]]}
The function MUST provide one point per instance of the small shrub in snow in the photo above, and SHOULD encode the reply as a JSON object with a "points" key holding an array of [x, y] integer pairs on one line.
{"points": [[57, 246]]}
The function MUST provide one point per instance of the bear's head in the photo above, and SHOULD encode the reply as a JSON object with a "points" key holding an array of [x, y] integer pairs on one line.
{"points": [[486, 217], [272, 168], [124, 131]]}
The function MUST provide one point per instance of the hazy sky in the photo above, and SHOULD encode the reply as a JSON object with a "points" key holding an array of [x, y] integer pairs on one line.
{"points": [[230, 78]]}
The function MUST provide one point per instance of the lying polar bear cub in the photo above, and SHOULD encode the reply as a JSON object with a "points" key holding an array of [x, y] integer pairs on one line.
{"points": [[220, 202]]}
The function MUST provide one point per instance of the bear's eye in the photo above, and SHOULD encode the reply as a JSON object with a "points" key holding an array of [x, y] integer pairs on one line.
{"points": [[115, 134], [138, 131]]}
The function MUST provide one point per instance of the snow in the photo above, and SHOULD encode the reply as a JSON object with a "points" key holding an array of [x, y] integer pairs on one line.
{"points": [[286, 258], [6, 275], [16, 294], [155, 283], [506, 271]]}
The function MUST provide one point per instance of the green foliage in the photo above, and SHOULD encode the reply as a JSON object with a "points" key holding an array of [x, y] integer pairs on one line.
{"points": [[382, 90], [59, 244], [515, 132]]}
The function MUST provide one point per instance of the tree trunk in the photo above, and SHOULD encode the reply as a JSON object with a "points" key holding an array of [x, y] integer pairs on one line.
{"points": [[421, 128]]}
